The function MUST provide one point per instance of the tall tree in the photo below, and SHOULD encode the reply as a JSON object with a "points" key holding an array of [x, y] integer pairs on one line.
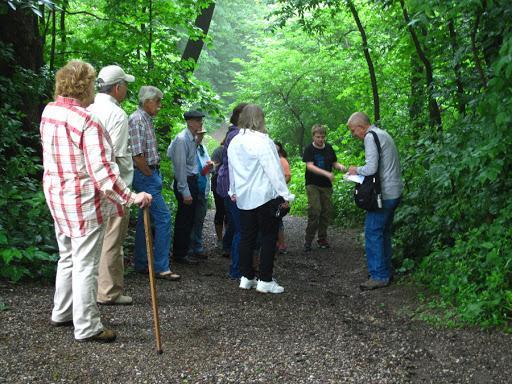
{"points": [[369, 62], [433, 107], [195, 44], [461, 103]]}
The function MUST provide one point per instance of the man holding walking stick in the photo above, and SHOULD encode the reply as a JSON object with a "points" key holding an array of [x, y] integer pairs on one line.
{"points": [[112, 88]]}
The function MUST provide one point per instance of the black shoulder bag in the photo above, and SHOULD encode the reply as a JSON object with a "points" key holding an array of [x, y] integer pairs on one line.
{"points": [[368, 194]]}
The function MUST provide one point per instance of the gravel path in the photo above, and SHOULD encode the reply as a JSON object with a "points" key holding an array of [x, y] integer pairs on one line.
{"points": [[323, 329]]}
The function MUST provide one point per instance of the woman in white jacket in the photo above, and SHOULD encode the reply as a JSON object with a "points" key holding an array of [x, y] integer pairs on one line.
{"points": [[256, 181]]}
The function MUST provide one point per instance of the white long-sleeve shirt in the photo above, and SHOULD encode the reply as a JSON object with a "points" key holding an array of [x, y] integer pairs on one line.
{"points": [[255, 173], [115, 121]]}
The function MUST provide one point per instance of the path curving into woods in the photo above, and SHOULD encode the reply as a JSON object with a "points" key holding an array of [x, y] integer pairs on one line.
{"points": [[323, 329]]}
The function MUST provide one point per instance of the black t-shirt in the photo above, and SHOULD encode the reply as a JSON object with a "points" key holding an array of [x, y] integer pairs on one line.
{"points": [[322, 158]]}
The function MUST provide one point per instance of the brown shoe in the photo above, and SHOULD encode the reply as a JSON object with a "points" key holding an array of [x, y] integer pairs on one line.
{"points": [[171, 276], [105, 336], [371, 284], [68, 323]]}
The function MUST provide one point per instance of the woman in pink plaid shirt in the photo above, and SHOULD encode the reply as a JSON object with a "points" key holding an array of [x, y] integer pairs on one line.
{"points": [[82, 187]]}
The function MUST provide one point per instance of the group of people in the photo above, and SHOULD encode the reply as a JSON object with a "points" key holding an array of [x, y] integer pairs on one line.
{"points": [[94, 155]]}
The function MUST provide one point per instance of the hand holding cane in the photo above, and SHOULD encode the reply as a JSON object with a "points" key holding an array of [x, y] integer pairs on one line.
{"points": [[154, 301]]}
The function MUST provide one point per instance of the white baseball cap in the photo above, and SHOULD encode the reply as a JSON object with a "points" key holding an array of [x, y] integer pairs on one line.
{"points": [[112, 74]]}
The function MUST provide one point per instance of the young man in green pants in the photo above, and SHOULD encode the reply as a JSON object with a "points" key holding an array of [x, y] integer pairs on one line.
{"points": [[320, 160]]}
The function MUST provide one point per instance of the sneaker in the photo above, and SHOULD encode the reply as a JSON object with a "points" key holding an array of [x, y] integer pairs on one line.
{"points": [[322, 243], [283, 250], [371, 284], [168, 275], [105, 336], [246, 283], [121, 300], [269, 287], [307, 247]]}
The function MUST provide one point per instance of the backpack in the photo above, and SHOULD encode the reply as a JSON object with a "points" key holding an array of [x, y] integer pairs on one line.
{"points": [[367, 195]]}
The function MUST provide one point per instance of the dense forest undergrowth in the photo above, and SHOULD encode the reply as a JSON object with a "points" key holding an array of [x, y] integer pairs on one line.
{"points": [[436, 74]]}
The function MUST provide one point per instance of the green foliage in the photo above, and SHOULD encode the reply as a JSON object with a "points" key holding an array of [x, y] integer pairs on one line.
{"points": [[27, 244], [455, 221], [146, 44]]}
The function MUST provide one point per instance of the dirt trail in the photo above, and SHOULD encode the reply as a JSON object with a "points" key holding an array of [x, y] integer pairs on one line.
{"points": [[323, 329]]}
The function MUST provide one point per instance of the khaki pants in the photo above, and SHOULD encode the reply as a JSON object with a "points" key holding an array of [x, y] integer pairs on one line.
{"points": [[319, 212], [77, 281], [111, 269]]}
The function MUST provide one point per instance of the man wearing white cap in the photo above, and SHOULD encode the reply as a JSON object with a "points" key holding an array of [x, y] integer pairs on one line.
{"points": [[112, 87]]}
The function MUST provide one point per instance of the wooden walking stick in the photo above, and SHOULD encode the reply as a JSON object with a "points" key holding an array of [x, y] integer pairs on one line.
{"points": [[154, 300]]}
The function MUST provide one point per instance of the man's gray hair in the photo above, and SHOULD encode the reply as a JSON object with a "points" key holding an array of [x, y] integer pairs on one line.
{"points": [[359, 118], [148, 92], [107, 88]]}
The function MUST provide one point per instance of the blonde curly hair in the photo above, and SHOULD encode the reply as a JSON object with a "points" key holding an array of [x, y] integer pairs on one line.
{"points": [[76, 80]]}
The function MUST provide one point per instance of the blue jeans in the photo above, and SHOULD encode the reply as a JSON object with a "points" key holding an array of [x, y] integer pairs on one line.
{"points": [[196, 237], [160, 221], [234, 213], [377, 233]]}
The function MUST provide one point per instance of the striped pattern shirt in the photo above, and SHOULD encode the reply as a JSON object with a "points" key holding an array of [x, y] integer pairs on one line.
{"points": [[81, 180], [142, 137]]}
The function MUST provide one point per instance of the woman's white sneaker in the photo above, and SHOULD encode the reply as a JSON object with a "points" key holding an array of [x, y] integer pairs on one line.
{"points": [[246, 283], [269, 287]]}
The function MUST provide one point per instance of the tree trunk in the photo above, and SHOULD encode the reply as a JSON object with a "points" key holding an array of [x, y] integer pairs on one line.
{"points": [[296, 115], [194, 47], [369, 62], [52, 47], [20, 30], [433, 108], [62, 31], [461, 104], [417, 96], [149, 52], [475, 50]]}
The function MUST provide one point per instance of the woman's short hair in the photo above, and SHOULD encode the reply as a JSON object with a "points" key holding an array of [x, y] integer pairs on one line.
{"points": [[76, 80], [148, 92], [236, 113], [252, 117], [318, 129]]}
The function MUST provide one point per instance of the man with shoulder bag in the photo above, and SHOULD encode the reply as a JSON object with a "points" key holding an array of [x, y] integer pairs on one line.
{"points": [[382, 165]]}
